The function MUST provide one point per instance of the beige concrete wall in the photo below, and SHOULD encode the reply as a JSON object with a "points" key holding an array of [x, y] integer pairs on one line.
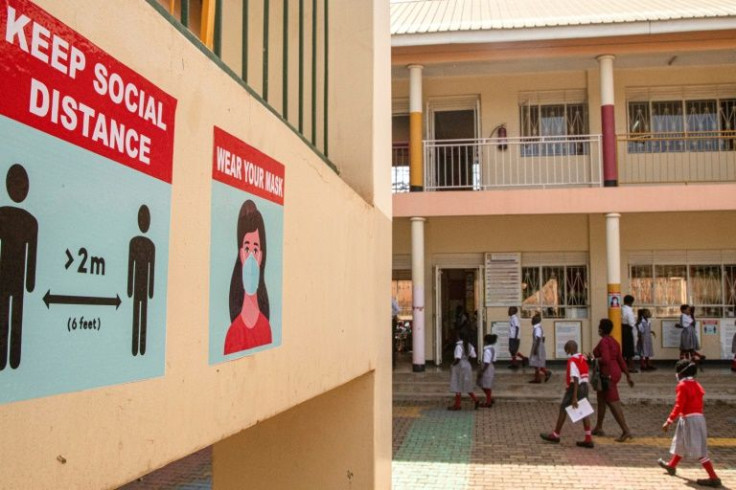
{"points": [[257, 458], [467, 238], [336, 245]]}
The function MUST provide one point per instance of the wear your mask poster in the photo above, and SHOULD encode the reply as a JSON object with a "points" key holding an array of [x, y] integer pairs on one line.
{"points": [[246, 251]]}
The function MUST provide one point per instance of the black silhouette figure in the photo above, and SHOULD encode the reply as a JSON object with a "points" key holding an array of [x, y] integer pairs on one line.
{"points": [[141, 264], [18, 241]]}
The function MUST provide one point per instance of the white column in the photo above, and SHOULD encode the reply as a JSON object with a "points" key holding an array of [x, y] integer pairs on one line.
{"points": [[613, 270], [417, 282]]}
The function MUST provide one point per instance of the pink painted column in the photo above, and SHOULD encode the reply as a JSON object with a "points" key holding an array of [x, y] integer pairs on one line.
{"points": [[608, 123]]}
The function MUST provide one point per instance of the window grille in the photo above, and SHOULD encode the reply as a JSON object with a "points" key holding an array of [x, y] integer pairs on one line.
{"points": [[554, 290]]}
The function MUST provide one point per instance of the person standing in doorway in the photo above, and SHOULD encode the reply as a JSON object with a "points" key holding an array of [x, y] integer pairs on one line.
{"points": [[628, 327]]}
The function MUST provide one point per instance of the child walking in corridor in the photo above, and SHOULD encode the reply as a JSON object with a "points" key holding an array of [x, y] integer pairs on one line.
{"points": [[515, 339], [646, 347], [487, 371], [691, 434], [538, 356], [461, 372], [576, 380]]}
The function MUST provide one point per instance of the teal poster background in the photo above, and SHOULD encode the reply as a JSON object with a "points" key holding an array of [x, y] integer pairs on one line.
{"points": [[81, 200], [226, 203]]}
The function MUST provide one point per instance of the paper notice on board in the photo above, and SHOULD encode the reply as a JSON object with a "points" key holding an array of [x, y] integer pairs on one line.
{"points": [[584, 409]]}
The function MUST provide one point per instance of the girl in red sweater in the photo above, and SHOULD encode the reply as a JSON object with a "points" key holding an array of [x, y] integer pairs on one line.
{"points": [[691, 434]]}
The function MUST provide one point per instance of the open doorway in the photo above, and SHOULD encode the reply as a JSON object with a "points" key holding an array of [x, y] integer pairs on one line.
{"points": [[458, 303]]}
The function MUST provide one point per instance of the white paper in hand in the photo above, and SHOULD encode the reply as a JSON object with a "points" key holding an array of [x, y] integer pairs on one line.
{"points": [[584, 409]]}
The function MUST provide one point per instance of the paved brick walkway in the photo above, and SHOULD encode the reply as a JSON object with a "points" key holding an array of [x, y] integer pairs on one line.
{"points": [[500, 448]]}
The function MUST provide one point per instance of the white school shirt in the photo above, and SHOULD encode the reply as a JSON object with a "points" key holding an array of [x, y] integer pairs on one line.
{"points": [[538, 332], [489, 354], [459, 350], [627, 316], [575, 372], [686, 320], [644, 322], [514, 327]]}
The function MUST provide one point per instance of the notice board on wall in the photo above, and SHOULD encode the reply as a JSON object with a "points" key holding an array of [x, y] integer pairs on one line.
{"points": [[503, 279], [564, 332]]}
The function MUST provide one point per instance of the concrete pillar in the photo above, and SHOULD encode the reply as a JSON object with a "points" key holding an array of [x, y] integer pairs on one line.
{"points": [[613, 261], [417, 284], [416, 151], [608, 123]]}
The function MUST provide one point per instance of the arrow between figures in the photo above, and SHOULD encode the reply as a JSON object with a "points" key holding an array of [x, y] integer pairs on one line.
{"points": [[80, 300]]}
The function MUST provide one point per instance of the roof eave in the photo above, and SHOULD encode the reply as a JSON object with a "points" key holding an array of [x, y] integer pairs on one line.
{"points": [[563, 32]]}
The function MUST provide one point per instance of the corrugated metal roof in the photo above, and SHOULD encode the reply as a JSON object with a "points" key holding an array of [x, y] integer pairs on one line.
{"points": [[443, 16]]}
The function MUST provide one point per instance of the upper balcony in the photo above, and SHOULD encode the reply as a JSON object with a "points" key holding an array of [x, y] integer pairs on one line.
{"points": [[569, 161]]}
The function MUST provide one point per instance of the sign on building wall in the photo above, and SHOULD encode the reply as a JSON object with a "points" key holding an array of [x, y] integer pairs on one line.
{"points": [[728, 331], [671, 334], [86, 149], [501, 329], [503, 279], [246, 250], [564, 332]]}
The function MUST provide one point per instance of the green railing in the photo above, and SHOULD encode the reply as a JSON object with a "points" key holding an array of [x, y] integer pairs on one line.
{"points": [[269, 33]]}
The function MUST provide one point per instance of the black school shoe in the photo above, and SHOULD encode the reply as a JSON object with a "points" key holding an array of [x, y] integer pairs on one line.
{"points": [[669, 469], [549, 437], [588, 444], [709, 482]]}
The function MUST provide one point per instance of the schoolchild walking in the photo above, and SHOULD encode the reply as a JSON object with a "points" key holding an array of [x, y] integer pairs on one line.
{"points": [[538, 356], [646, 347], [487, 372], [576, 382], [688, 338], [461, 372], [515, 339], [691, 434]]}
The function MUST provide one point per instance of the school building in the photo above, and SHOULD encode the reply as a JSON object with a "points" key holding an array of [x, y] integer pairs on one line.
{"points": [[139, 141], [557, 156]]}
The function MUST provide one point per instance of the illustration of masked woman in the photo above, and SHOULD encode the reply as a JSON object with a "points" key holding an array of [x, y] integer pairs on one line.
{"points": [[249, 308]]}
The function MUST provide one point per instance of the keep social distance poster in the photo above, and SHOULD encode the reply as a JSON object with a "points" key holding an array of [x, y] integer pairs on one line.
{"points": [[86, 151], [246, 256]]}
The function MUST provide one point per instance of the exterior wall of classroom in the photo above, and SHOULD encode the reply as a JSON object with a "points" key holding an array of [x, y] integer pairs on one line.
{"points": [[499, 94], [468, 238], [334, 341]]}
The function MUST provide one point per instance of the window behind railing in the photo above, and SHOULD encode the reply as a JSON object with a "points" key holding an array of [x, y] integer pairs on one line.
{"points": [[278, 48], [684, 119], [555, 119]]}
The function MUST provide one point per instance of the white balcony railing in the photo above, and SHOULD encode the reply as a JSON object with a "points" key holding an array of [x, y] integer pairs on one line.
{"points": [[677, 157], [400, 167], [549, 161]]}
